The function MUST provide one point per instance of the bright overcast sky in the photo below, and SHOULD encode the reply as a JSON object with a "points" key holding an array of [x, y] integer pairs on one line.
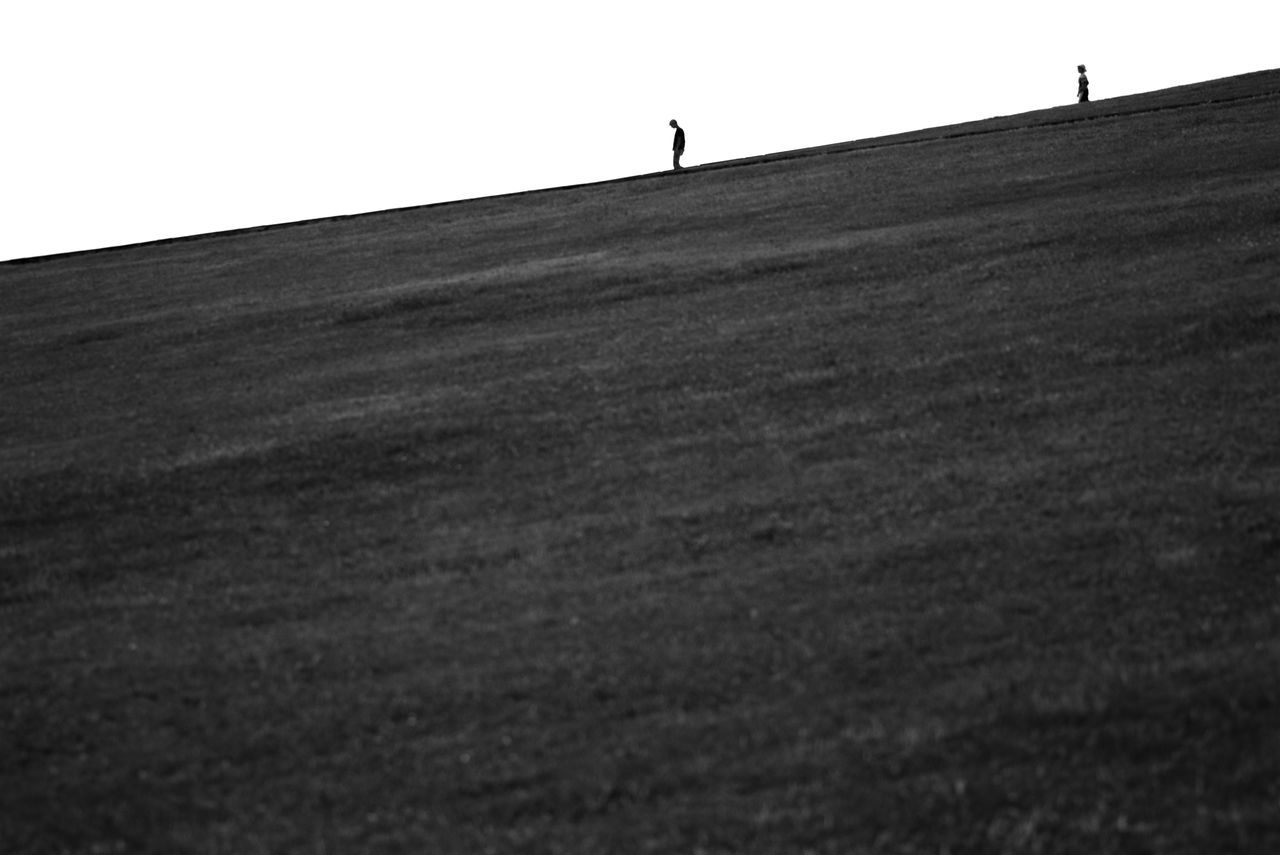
{"points": [[131, 120]]}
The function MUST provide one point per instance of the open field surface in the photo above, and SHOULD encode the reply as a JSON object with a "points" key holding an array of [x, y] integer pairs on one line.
{"points": [[903, 498]]}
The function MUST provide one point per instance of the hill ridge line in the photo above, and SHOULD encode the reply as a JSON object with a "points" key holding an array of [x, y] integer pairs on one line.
{"points": [[923, 135], [877, 143]]}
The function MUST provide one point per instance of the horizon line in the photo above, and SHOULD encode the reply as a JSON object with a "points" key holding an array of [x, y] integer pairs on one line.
{"points": [[921, 135]]}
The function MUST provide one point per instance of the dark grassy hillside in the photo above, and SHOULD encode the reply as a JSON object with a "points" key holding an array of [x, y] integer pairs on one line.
{"points": [[920, 497]]}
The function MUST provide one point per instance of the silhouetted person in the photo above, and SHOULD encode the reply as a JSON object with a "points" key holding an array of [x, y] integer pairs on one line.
{"points": [[1083, 92], [677, 146]]}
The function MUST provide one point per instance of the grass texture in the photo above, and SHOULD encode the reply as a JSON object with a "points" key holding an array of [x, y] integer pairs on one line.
{"points": [[911, 496]]}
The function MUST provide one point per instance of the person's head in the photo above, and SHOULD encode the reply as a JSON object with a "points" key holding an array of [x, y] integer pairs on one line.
{"points": [[674, 125], [1080, 68]]}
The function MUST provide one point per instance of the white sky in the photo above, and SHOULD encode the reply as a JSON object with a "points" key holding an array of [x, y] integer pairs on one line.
{"points": [[131, 120]]}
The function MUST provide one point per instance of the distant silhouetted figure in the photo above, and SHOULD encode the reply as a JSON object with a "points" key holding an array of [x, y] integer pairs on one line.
{"points": [[1083, 92], [677, 146]]}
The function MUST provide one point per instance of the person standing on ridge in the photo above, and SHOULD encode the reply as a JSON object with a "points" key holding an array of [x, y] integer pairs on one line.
{"points": [[677, 146], [1082, 93]]}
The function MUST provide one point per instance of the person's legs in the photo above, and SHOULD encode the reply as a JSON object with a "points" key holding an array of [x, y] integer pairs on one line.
{"points": [[675, 160]]}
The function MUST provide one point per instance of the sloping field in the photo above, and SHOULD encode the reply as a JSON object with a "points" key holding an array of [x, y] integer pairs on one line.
{"points": [[914, 495]]}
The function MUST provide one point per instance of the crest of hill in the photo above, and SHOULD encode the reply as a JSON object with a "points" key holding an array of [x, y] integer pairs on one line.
{"points": [[1256, 85]]}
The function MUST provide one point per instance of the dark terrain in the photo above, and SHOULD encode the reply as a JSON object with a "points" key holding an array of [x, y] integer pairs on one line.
{"points": [[912, 495]]}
